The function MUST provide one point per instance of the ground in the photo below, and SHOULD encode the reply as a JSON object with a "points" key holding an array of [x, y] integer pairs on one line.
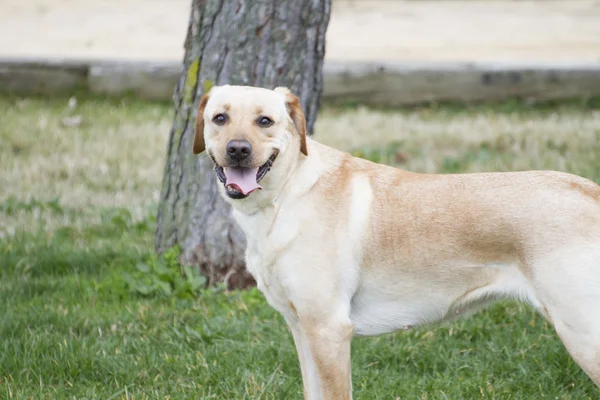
{"points": [[561, 31], [89, 312]]}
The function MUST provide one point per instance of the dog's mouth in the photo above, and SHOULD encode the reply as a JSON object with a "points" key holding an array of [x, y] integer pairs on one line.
{"points": [[239, 181]]}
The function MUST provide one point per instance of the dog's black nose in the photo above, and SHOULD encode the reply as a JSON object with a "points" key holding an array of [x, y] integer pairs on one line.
{"points": [[239, 149]]}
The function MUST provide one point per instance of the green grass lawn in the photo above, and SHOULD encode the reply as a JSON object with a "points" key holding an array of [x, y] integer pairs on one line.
{"points": [[76, 227]]}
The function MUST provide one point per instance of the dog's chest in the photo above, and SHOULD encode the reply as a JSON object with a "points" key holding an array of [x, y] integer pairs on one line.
{"points": [[264, 249], [263, 266]]}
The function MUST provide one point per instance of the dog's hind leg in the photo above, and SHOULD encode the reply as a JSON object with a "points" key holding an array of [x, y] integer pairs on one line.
{"points": [[568, 287], [583, 346]]}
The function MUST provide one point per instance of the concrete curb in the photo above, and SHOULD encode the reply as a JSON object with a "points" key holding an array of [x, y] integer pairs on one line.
{"points": [[375, 83]]}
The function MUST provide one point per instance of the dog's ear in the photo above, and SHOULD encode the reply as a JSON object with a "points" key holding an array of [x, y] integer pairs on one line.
{"points": [[295, 110], [199, 134]]}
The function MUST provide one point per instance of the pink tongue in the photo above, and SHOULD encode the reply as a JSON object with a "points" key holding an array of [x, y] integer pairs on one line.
{"points": [[242, 179]]}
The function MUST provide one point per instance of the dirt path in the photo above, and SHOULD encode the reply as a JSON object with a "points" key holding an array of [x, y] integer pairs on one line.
{"points": [[468, 30]]}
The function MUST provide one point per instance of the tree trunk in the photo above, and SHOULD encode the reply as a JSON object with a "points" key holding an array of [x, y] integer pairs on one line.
{"points": [[265, 43]]}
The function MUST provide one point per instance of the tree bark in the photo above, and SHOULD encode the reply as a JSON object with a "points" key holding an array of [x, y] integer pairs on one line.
{"points": [[264, 43]]}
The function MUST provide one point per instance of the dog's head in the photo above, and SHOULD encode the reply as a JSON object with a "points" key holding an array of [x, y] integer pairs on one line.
{"points": [[247, 131]]}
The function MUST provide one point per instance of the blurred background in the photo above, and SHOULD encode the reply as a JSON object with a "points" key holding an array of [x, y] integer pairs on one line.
{"points": [[92, 100], [359, 30]]}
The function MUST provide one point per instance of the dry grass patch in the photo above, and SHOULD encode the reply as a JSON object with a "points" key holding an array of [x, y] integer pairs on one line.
{"points": [[94, 154], [60, 161], [442, 141]]}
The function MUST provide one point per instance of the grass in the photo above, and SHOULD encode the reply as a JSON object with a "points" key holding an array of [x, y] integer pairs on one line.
{"points": [[77, 218]]}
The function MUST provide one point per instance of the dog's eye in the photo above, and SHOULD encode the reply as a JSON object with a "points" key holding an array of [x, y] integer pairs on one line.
{"points": [[264, 122], [220, 119]]}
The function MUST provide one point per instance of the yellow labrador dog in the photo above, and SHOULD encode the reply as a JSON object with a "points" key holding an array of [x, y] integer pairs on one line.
{"points": [[342, 246]]}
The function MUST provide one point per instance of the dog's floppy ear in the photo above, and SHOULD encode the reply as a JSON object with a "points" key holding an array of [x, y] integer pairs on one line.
{"points": [[295, 110], [199, 134]]}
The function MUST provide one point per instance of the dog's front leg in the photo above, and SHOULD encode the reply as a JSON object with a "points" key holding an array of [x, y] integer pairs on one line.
{"points": [[323, 347], [310, 378]]}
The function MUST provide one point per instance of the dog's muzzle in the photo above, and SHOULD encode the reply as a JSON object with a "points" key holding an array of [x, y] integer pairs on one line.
{"points": [[240, 181]]}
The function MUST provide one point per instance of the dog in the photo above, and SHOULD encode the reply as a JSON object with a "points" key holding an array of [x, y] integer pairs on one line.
{"points": [[341, 246]]}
